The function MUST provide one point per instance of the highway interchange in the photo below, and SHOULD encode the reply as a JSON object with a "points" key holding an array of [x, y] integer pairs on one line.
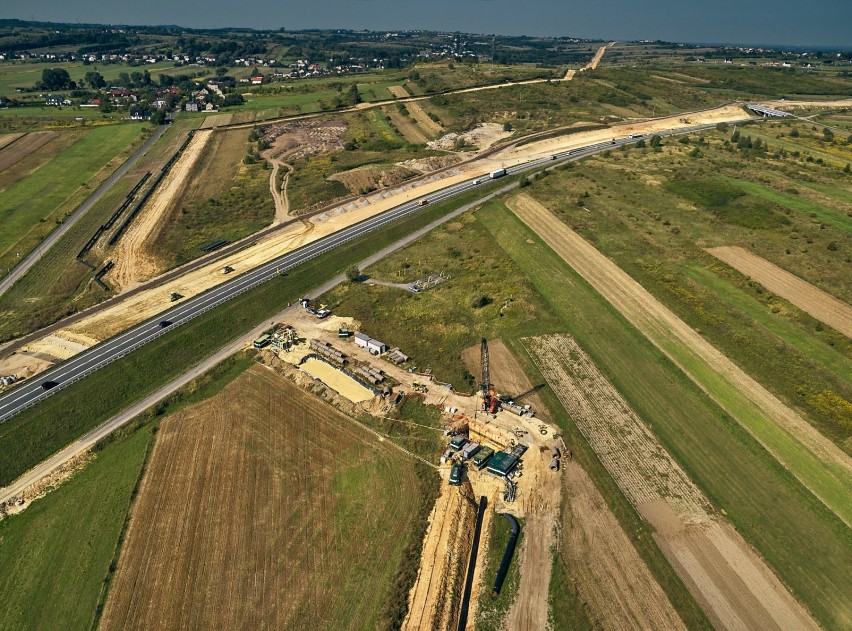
{"points": [[34, 390]]}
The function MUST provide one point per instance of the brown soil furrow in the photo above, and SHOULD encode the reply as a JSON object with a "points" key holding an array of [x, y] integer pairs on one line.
{"points": [[662, 327], [429, 126], [237, 521], [733, 584], [22, 146], [612, 579], [133, 262], [812, 300]]}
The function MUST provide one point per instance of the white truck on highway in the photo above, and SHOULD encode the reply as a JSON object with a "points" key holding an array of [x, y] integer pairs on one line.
{"points": [[498, 173]]}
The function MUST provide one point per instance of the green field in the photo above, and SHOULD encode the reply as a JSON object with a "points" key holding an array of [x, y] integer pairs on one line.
{"points": [[57, 284], [37, 432], [34, 205], [20, 74], [807, 545], [491, 612], [224, 198], [55, 555], [654, 213], [459, 250]]}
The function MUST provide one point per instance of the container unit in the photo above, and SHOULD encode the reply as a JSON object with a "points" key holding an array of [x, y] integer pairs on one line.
{"points": [[482, 457], [470, 450]]}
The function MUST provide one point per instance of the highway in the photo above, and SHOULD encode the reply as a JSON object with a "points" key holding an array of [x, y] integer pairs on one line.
{"points": [[33, 257], [33, 391]]}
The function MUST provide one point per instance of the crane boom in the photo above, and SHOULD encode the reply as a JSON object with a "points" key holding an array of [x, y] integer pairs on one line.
{"points": [[486, 380]]}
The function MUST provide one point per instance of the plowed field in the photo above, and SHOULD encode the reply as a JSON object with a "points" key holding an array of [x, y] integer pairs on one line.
{"points": [[817, 462], [263, 508], [821, 305], [733, 584]]}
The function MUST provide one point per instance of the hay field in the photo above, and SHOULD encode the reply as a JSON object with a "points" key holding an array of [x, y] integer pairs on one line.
{"points": [[263, 508]]}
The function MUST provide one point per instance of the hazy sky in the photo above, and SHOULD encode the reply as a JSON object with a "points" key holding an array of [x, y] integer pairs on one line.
{"points": [[792, 22]]}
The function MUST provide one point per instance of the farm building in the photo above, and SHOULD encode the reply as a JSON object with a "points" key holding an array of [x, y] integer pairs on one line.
{"points": [[502, 463]]}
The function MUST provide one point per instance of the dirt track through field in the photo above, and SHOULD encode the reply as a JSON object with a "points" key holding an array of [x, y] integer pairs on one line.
{"points": [[612, 579], [134, 263], [817, 462], [821, 305], [261, 508], [22, 146], [430, 127], [406, 127], [733, 584]]}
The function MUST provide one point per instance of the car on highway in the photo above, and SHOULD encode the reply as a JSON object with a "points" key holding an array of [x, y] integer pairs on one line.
{"points": [[477, 181], [165, 323], [423, 202], [47, 385]]}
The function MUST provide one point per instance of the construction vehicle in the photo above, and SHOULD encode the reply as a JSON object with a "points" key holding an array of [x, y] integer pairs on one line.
{"points": [[175, 296], [227, 269], [456, 474], [490, 401]]}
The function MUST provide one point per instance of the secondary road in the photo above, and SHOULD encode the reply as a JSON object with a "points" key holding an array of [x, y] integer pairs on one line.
{"points": [[33, 257], [34, 390]]}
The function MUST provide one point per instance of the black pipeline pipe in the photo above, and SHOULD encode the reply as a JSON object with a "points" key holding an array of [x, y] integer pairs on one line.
{"points": [[507, 555], [471, 564]]}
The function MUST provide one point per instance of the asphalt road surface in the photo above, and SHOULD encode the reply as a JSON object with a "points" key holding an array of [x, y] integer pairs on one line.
{"points": [[38, 388]]}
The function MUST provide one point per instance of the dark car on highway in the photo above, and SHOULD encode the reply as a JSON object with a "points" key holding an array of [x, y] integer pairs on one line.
{"points": [[47, 385]]}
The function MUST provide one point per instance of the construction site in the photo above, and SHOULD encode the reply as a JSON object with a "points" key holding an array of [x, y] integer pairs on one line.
{"points": [[498, 457]]}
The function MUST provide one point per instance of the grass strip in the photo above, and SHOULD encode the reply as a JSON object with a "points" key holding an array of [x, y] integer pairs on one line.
{"points": [[38, 432], [54, 555], [806, 544]]}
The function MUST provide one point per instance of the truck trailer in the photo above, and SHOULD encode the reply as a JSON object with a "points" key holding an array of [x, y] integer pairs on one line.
{"points": [[498, 173]]}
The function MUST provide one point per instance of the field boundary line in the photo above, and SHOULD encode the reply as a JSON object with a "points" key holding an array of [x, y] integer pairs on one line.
{"points": [[814, 460]]}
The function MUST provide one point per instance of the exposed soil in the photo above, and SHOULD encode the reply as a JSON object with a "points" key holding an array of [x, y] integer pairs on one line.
{"points": [[821, 305], [236, 522], [337, 381], [733, 584], [408, 128], [6, 139], [617, 588], [367, 179], [302, 138], [134, 263], [23, 145], [659, 323], [429, 127], [432, 163], [446, 548], [481, 137]]}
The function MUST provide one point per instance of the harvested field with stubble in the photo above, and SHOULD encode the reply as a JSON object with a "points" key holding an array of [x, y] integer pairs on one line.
{"points": [[812, 458], [733, 584], [263, 508], [614, 582], [21, 146], [821, 305]]}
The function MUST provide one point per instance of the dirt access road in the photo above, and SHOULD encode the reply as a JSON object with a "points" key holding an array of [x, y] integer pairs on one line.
{"points": [[812, 300], [540, 500], [591, 65], [134, 263], [816, 461], [735, 587]]}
